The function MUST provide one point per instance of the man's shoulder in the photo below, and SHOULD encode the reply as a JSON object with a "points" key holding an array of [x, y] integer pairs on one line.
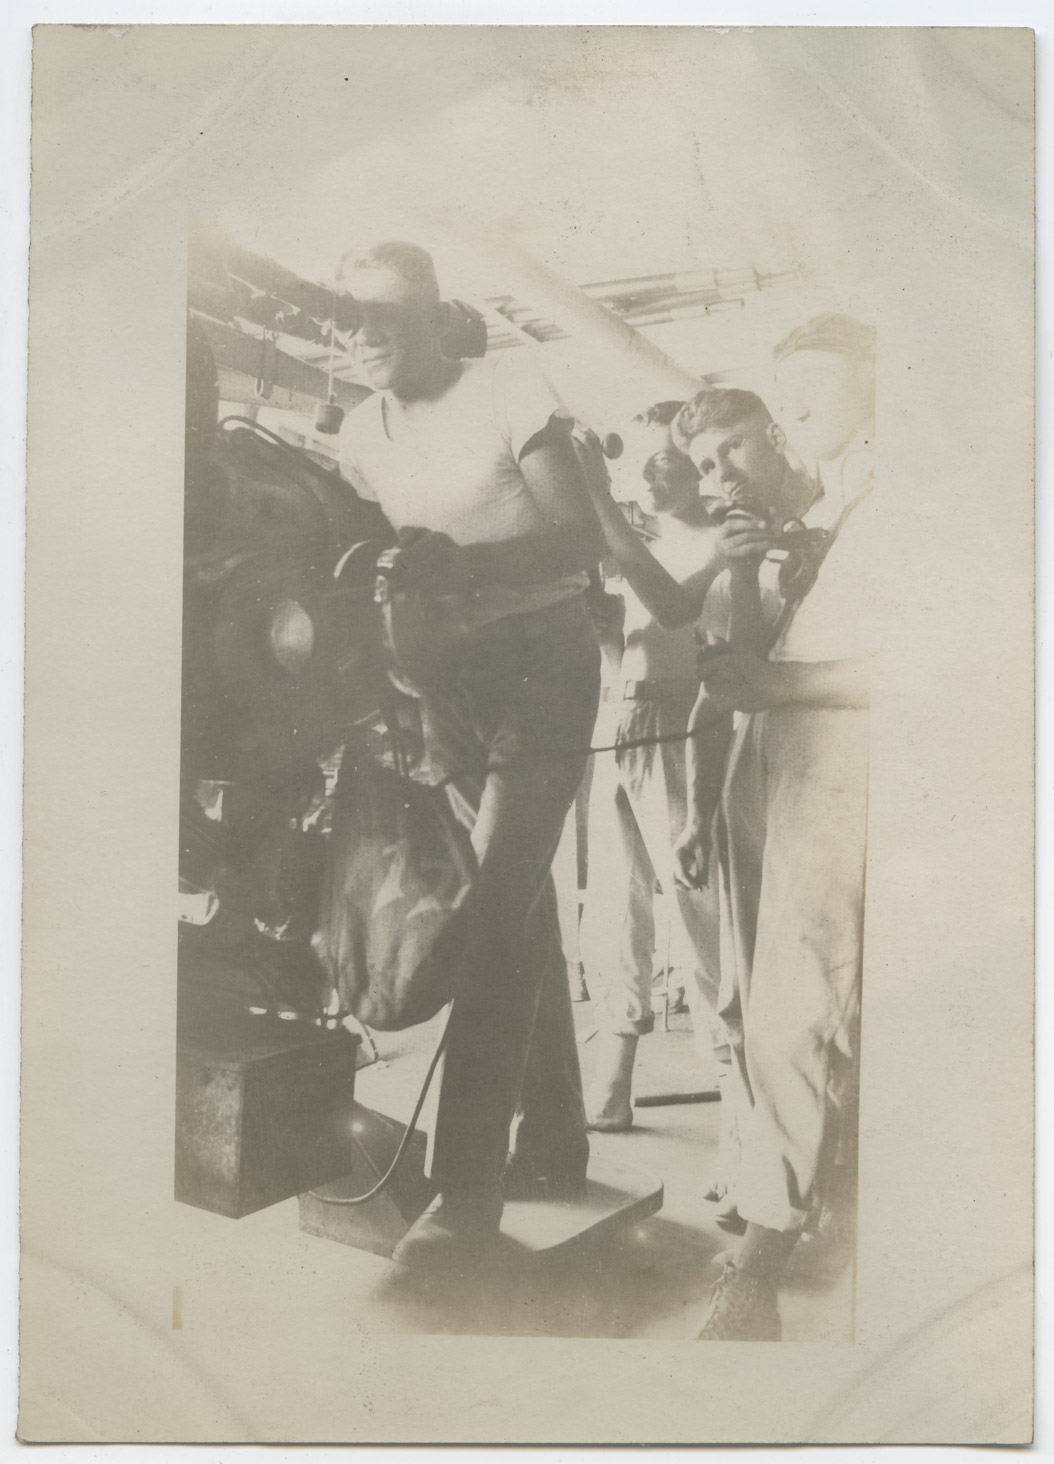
{"points": [[360, 423], [364, 410], [512, 373], [358, 431], [478, 376]]}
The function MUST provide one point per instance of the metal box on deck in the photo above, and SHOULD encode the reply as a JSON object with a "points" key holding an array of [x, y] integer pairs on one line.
{"points": [[264, 1107]]}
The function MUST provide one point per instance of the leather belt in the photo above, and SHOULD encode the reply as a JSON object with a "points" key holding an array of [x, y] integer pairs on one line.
{"points": [[680, 687]]}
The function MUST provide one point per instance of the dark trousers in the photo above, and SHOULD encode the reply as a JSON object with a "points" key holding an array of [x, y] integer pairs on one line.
{"points": [[510, 729]]}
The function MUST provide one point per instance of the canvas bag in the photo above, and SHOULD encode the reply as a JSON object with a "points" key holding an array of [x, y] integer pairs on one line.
{"points": [[393, 920]]}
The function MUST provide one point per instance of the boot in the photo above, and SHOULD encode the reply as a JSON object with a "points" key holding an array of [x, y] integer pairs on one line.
{"points": [[458, 1233], [743, 1308], [609, 1108]]}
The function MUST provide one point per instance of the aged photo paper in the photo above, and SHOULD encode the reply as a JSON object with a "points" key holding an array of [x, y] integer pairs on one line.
{"points": [[529, 736]]}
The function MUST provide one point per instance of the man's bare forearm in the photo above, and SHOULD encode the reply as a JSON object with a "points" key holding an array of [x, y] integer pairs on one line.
{"points": [[671, 602], [748, 629]]}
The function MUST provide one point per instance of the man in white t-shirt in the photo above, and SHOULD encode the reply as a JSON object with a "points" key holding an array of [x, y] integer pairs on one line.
{"points": [[792, 840], [473, 464]]}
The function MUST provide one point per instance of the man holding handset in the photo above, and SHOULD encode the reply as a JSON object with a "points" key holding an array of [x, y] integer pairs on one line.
{"points": [[792, 833]]}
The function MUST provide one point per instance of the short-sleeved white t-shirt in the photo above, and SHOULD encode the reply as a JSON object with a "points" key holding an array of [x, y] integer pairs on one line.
{"points": [[717, 611], [454, 468], [833, 622]]}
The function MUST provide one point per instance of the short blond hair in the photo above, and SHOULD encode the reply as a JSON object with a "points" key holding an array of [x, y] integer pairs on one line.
{"points": [[414, 265]]}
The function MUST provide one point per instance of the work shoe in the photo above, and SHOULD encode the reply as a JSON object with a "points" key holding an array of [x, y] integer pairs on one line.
{"points": [[458, 1232], [674, 994], [601, 1123], [742, 1308]]}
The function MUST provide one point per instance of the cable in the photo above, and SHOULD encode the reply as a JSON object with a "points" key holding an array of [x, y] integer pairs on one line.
{"points": [[787, 613], [630, 742], [332, 351], [404, 1142]]}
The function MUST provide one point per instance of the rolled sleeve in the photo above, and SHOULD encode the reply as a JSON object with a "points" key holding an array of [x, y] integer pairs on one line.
{"points": [[525, 403]]}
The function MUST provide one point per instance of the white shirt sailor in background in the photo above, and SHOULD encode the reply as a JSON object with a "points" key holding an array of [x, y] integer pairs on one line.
{"points": [[834, 622], [825, 381]]}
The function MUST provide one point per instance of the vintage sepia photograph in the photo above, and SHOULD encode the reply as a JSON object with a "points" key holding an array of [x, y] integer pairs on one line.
{"points": [[525, 729], [540, 887]]}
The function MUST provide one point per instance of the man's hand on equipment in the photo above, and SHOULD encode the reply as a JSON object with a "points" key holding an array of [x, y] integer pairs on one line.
{"points": [[434, 564], [591, 460], [744, 540], [607, 612], [691, 857]]}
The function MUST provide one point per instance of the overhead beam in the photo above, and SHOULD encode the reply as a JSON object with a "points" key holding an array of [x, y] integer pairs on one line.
{"points": [[233, 351], [634, 365], [624, 370]]}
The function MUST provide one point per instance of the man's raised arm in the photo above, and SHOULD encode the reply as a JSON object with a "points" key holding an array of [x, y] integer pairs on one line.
{"points": [[570, 539]]}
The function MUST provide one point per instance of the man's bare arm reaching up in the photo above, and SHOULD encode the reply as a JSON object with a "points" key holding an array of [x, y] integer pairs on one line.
{"points": [[744, 543]]}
